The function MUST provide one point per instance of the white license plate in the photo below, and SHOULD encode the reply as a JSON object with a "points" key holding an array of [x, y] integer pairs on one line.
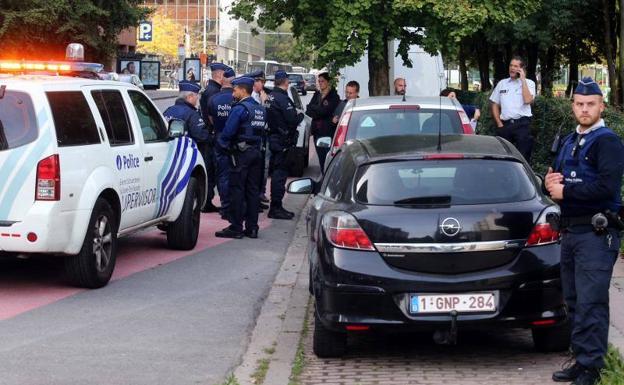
{"points": [[445, 303]]}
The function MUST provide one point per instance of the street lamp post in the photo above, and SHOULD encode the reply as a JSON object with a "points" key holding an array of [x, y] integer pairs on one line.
{"points": [[204, 47]]}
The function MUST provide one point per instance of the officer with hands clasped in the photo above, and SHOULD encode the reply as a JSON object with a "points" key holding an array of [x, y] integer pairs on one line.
{"points": [[283, 120], [241, 138], [185, 109], [219, 106], [585, 180]]}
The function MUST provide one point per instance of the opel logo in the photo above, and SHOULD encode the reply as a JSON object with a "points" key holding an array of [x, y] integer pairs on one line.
{"points": [[450, 227]]}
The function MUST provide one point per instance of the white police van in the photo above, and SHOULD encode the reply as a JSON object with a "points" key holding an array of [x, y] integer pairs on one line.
{"points": [[83, 162]]}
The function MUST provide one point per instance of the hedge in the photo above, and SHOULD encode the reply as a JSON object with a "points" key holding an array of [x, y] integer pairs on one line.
{"points": [[548, 114]]}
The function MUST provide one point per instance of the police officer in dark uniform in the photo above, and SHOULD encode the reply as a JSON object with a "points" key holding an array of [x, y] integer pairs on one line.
{"points": [[241, 137], [212, 88], [219, 107], [283, 120], [185, 109], [585, 180]]}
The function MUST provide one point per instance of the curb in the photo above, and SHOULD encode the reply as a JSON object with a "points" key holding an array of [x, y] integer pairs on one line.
{"points": [[275, 338]]}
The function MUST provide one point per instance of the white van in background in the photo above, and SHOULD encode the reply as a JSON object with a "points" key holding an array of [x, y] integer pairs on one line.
{"points": [[426, 77]]}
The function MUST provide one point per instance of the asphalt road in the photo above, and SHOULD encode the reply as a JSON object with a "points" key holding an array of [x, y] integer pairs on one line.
{"points": [[166, 318]]}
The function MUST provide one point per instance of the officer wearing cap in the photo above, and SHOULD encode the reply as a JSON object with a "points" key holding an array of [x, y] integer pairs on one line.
{"points": [[213, 87], [241, 138], [511, 107], [261, 94], [283, 120], [219, 107], [585, 179], [185, 109]]}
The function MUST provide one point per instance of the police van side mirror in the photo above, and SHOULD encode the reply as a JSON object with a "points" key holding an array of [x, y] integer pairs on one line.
{"points": [[176, 128], [302, 186], [324, 142]]}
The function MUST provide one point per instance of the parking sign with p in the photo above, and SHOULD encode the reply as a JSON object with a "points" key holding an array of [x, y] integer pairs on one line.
{"points": [[145, 31]]}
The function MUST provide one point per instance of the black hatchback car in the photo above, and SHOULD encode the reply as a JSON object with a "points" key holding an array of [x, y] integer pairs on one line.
{"points": [[407, 237]]}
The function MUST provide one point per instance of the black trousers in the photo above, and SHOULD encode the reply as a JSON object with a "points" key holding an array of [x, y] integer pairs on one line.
{"points": [[279, 174], [245, 190], [208, 154], [518, 132], [587, 261]]}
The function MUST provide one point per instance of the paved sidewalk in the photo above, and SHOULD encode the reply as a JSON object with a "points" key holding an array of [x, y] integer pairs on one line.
{"points": [[616, 333]]}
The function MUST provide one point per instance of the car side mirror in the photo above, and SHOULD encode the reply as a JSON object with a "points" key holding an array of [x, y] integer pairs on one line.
{"points": [[324, 142], [176, 128], [301, 186]]}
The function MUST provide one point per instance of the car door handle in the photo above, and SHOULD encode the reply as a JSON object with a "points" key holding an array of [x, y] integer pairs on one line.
{"points": [[148, 158]]}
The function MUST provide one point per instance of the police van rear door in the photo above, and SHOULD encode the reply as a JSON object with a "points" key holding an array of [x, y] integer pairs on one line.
{"points": [[22, 146], [123, 152]]}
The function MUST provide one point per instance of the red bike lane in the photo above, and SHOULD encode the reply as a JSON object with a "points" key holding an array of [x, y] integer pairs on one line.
{"points": [[23, 292]]}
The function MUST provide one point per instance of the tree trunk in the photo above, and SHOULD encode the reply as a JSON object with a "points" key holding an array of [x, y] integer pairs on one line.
{"points": [[483, 58], [547, 71], [606, 16], [573, 61], [500, 64], [378, 68], [463, 70], [531, 64]]}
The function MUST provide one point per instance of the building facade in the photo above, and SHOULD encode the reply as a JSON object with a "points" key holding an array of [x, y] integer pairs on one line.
{"points": [[230, 40]]}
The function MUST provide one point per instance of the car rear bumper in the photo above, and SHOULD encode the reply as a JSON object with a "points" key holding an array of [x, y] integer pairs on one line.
{"points": [[360, 289], [54, 230]]}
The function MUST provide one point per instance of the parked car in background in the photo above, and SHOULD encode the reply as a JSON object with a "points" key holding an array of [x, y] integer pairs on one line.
{"points": [[367, 118], [411, 234], [296, 80], [310, 81]]}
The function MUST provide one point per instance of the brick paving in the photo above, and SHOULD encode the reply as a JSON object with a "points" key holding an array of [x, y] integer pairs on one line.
{"points": [[480, 358]]}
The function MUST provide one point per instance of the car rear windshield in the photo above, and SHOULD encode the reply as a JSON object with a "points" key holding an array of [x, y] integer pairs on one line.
{"points": [[295, 78], [18, 122], [375, 123], [443, 182]]}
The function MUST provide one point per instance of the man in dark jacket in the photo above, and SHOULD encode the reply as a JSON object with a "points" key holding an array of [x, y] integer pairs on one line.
{"points": [[321, 109], [283, 120], [352, 91], [212, 88]]}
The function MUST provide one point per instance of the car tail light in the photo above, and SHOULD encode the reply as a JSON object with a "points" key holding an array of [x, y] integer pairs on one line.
{"points": [[341, 132], [465, 122], [48, 187], [343, 231], [543, 233]]}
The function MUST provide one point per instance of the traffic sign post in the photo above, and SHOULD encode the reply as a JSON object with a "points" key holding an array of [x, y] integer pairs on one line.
{"points": [[145, 31]]}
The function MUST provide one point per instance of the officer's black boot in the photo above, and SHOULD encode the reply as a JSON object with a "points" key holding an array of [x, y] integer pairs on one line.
{"points": [[278, 212], [292, 215], [209, 208], [228, 232], [568, 374], [589, 376]]}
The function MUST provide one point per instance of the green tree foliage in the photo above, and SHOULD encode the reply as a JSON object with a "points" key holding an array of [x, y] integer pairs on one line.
{"points": [[41, 29], [283, 47], [341, 30]]}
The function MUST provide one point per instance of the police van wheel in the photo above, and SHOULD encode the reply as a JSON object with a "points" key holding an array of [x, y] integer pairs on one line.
{"points": [[182, 234], [93, 266], [327, 343], [552, 339]]}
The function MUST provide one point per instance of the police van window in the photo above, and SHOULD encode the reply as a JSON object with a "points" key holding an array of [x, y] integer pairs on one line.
{"points": [[18, 124], [73, 120], [152, 125], [111, 106]]}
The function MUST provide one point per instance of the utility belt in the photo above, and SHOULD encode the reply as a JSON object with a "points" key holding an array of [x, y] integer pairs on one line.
{"points": [[599, 222], [522, 119], [245, 145]]}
